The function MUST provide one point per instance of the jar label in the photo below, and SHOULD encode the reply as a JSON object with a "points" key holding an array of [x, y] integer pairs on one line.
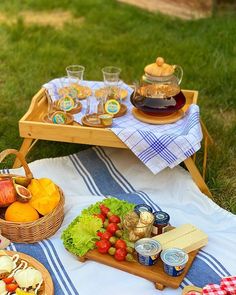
{"points": [[112, 107], [157, 230], [66, 104], [59, 118]]}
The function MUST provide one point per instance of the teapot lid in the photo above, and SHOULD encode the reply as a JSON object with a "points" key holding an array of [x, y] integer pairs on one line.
{"points": [[159, 68]]}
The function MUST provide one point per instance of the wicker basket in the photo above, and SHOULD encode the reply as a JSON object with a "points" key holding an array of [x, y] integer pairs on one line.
{"points": [[31, 232]]}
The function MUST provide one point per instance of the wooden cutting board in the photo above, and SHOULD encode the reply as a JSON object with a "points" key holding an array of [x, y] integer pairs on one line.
{"points": [[48, 288], [154, 273]]}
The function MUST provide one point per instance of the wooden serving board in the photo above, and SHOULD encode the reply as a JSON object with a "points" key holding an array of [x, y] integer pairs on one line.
{"points": [[154, 273], [70, 119], [48, 288], [157, 120], [122, 111], [75, 110], [85, 122]]}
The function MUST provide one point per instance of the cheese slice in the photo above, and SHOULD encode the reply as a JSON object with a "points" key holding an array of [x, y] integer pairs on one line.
{"points": [[186, 237], [189, 242], [175, 233]]}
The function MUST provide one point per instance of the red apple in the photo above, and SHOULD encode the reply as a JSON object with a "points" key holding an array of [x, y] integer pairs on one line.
{"points": [[7, 192]]}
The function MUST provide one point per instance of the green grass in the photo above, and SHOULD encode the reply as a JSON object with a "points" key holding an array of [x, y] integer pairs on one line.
{"points": [[128, 37]]}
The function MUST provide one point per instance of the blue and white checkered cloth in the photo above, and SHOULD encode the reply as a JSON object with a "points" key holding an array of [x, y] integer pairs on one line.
{"points": [[157, 146]]}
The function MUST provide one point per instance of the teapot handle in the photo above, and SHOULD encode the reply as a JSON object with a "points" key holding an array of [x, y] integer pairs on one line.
{"points": [[180, 73], [136, 98]]}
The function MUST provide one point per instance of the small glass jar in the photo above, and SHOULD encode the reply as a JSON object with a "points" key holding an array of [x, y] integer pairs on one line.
{"points": [[138, 232], [161, 221], [137, 226], [142, 208]]}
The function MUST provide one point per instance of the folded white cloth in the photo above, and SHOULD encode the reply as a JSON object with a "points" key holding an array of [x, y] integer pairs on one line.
{"points": [[157, 146], [89, 175]]}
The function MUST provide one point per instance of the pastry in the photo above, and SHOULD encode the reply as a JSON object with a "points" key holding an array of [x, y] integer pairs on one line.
{"points": [[116, 93], [75, 91]]}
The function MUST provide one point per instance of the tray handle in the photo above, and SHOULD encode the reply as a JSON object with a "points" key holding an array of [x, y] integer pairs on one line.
{"points": [[19, 155]]}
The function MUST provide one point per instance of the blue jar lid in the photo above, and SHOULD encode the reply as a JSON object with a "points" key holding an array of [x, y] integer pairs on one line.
{"points": [[147, 247], [174, 257], [161, 217], [142, 208]]}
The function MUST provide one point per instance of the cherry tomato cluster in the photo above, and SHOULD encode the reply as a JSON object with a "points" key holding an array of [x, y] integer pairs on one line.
{"points": [[110, 241], [11, 285]]}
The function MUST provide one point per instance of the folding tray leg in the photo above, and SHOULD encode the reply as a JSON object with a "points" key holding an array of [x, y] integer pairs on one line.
{"points": [[197, 177], [27, 144], [159, 286]]}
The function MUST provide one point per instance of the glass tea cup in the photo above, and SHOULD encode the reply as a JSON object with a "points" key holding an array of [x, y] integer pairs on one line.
{"points": [[57, 94], [111, 78], [95, 107], [51, 108], [111, 75], [67, 95], [75, 74]]}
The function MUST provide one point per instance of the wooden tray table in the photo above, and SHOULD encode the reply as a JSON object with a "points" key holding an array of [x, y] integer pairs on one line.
{"points": [[32, 128]]}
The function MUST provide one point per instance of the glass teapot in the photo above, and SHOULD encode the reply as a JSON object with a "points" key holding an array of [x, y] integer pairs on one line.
{"points": [[159, 92]]}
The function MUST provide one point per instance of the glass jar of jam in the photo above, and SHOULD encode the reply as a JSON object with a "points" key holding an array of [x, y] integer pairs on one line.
{"points": [[142, 208], [161, 220]]}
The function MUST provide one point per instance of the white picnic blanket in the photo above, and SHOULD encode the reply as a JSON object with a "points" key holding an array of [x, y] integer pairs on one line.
{"points": [[93, 173], [157, 146]]}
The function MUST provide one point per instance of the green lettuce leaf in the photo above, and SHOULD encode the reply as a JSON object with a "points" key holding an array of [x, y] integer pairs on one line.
{"points": [[117, 207], [81, 235]]}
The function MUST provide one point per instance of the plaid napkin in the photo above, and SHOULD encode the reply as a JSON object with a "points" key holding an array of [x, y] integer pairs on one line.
{"points": [[157, 146], [229, 284], [213, 289]]}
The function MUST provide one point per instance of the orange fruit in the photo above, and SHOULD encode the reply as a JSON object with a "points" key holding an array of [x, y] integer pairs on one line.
{"points": [[21, 212]]}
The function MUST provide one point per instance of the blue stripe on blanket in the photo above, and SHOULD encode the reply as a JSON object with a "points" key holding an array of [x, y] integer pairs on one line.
{"points": [[99, 173], [95, 161], [123, 182], [211, 258], [102, 178], [201, 274]]}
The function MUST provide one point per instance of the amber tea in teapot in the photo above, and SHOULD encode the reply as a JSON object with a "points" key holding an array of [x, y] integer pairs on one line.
{"points": [[159, 92]]}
